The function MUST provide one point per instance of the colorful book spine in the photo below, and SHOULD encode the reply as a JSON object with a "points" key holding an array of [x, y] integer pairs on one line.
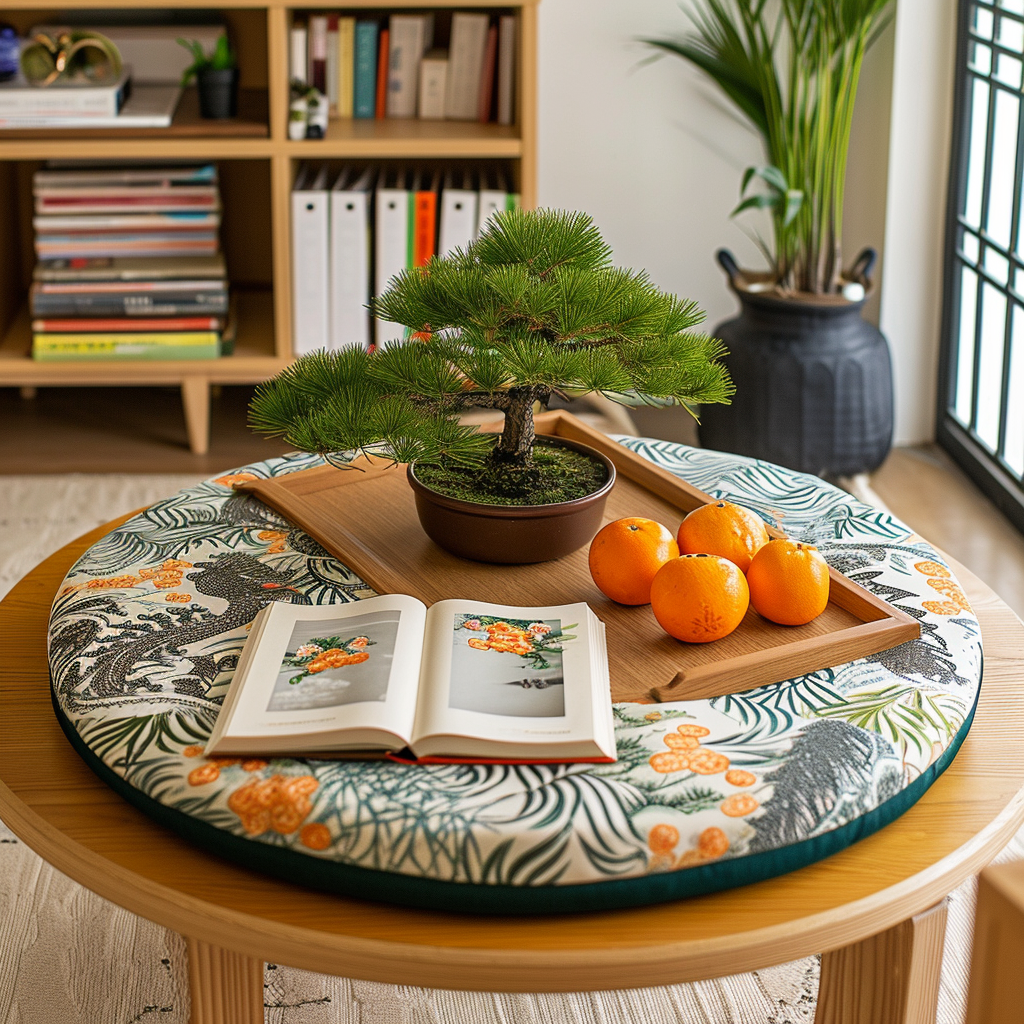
{"points": [[122, 324], [128, 304], [346, 66], [318, 52], [116, 350], [365, 70], [383, 57], [423, 212]]}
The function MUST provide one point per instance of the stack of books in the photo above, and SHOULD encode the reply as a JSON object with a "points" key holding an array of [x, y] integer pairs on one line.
{"points": [[353, 231], [457, 66], [128, 264]]}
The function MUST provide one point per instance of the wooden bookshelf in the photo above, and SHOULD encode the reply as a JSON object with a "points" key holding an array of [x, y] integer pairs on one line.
{"points": [[258, 164]]}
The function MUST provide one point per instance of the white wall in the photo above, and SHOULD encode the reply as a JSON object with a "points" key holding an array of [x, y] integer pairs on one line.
{"points": [[655, 155]]}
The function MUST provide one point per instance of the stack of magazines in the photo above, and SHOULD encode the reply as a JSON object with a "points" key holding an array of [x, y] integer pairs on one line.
{"points": [[128, 264]]}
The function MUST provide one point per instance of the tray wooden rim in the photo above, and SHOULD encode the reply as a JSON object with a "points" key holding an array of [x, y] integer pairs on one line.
{"points": [[881, 625]]}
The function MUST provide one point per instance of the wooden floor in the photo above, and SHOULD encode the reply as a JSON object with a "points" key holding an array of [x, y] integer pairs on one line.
{"points": [[142, 430]]}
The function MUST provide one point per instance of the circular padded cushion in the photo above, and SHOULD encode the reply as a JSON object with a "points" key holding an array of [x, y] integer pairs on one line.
{"points": [[146, 631]]}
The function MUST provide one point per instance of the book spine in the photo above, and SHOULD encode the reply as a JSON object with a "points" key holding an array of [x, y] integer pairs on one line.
{"points": [[506, 68], [102, 326], [125, 350], [299, 62], [487, 76], [346, 67], [131, 305], [332, 63], [318, 52], [106, 339], [404, 53], [465, 66], [433, 75], [383, 56], [365, 73]]}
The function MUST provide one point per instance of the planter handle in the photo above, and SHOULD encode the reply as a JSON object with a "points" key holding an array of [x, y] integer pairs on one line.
{"points": [[863, 265], [729, 265]]}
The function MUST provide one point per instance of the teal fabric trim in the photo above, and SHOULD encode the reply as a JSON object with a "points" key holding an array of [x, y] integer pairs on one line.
{"points": [[431, 894]]}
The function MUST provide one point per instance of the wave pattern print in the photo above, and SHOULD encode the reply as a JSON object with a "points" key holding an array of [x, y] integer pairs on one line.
{"points": [[146, 631]]}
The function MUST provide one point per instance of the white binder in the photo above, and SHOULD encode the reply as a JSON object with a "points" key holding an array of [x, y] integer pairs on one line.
{"points": [[494, 196], [458, 211], [350, 259], [393, 243], [310, 283]]}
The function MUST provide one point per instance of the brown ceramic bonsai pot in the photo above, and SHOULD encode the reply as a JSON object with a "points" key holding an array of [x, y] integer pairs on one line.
{"points": [[513, 534]]}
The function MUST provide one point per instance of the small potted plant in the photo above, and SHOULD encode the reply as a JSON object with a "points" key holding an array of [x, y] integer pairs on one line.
{"points": [[813, 378], [530, 309], [216, 78]]}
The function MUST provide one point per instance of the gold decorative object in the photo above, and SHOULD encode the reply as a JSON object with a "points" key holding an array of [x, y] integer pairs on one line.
{"points": [[69, 55]]}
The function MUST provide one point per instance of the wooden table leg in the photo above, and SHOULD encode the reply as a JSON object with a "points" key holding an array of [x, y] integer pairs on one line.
{"points": [[226, 987], [891, 978], [195, 397]]}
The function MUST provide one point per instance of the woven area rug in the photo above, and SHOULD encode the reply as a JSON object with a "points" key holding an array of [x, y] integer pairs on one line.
{"points": [[69, 956]]}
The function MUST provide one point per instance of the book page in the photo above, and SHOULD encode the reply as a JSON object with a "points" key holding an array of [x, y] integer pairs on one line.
{"points": [[510, 675], [324, 668]]}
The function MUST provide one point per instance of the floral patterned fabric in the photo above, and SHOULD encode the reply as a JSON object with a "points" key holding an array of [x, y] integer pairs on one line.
{"points": [[146, 630]]}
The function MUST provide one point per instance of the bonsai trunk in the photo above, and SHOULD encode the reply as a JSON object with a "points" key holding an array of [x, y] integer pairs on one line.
{"points": [[516, 442]]}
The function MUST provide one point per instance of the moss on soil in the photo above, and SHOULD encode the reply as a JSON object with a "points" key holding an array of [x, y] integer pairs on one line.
{"points": [[555, 474]]}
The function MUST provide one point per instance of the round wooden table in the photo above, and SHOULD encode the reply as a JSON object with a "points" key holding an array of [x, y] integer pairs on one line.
{"points": [[876, 910]]}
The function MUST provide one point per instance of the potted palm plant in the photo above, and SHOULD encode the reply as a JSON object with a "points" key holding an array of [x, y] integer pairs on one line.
{"points": [[531, 309], [216, 76], [813, 379]]}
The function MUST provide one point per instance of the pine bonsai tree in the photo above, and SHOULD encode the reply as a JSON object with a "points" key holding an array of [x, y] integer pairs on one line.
{"points": [[530, 309]]}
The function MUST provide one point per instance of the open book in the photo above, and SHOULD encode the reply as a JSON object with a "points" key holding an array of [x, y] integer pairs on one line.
{"points": [[463, 680]]}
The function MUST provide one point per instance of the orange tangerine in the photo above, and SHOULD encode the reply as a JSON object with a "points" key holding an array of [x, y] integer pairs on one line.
{"points": [[626, 555], [699, 598], [788, 582], [722, 528]]}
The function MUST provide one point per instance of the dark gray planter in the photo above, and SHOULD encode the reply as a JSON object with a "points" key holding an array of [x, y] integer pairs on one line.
{"points": [[218, 92], [813, 382]]}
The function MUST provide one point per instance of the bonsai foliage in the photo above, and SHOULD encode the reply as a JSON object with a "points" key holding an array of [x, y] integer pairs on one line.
{"points": [[791, 67], [222, 58], [530, 309]]}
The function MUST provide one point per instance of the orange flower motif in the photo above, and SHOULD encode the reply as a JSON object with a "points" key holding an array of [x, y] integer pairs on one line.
{"points": [[932, 569], [203, 774], [179, 598], [739, 804], [360, 641], [653, 716], [738, 777], [478, 645], [192, 751], [315, 836], [279, 537], [669, 761], [254, 764], [708, 762], [225, 762], [278, 803], [167, 581], [234, 478], [113, 583], [676, 742], [662, 838], [713, 842], [335, 658], [691, 729]]}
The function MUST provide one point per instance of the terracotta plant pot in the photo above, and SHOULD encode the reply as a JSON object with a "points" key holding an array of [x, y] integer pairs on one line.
{"points": [[513, 534]]}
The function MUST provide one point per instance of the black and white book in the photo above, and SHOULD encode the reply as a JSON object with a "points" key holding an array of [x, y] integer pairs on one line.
{"points": [[462, 680]]}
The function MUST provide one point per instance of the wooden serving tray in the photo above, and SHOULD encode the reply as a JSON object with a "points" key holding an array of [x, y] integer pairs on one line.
{"points": [[368, 520]]}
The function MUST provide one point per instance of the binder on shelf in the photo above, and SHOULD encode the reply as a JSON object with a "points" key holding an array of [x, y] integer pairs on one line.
{"points": [[506, 68], [494, 196], [465, 65], [310, 281], [458, 211], [365, 73], [392, 226], [424, 214], [346, 65], [410, 36], [350, 258]]}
